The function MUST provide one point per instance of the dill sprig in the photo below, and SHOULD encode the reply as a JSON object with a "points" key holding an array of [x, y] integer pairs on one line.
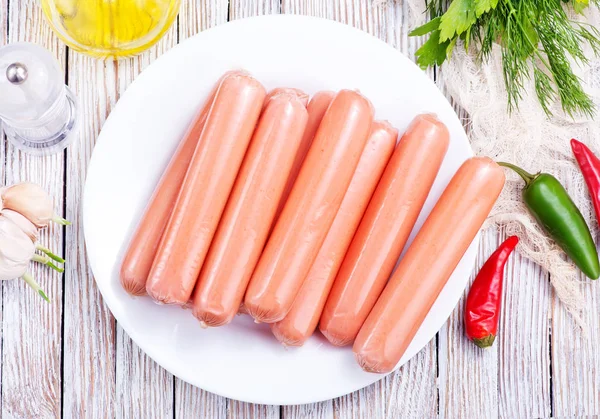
{"points": [[538, 41]]}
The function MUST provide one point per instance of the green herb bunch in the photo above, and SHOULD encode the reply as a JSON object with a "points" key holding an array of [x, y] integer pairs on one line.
{"points": [[536, 37]]}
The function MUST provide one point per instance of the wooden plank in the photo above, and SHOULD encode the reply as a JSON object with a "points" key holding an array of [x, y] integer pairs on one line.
{"points": [[410, 391], [31, 346], [467, 375], [89, 329], [194, 403], [239, 9], [3, 151], [241, 410], [313, 410], [190, 401], [199, 15], [322, 410], [143, 388], [513, 377], [308, 7], [523, 343], [576, 357]]}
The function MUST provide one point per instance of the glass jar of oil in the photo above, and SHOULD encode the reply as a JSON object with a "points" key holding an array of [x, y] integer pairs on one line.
{"points": [[110, 28]]}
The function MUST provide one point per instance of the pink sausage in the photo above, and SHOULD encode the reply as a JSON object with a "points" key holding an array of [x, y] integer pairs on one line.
{"points": [[385, 228], [309, 212], [249, 213], [302, 320], [204, 192], [428, 264]]}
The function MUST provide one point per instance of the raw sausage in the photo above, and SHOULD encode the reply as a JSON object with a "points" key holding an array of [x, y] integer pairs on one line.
{"points": [[212, 171], [302, 319], [309, 212], [300, 95], [385, 228], [208, 182], [250, 210], [316, 110], [144, 243], [427, 265]]}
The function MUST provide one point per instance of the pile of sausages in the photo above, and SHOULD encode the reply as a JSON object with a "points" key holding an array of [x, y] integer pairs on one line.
{"points": [[296, 212]]}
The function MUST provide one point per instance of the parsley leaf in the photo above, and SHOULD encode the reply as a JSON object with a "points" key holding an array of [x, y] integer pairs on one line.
{"points": [[459, 17], [432, 52], [430, 26], [484, 6]]}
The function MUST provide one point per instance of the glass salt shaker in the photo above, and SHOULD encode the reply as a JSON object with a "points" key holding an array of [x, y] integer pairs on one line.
{"points": [[38, 111]]}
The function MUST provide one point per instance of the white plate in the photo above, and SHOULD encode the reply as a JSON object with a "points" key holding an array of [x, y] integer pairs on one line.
{"points": [[242, 360]]}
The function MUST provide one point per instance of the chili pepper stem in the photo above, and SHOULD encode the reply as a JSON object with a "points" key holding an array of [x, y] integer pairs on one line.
{"points": [[46, 261], [29, 280], [49, 253], [485, 342], [526, 176]]}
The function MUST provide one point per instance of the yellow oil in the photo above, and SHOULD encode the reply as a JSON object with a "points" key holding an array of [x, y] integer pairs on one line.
{"points": [[110, 28]]}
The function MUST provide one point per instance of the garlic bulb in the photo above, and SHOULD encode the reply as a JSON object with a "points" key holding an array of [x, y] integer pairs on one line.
{"points": [[24, 209], [31, 201], [23, 223], [16, 250]]}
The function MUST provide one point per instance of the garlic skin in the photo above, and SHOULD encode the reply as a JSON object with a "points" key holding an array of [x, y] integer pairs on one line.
{"points": [[23, 223], [30, 200], [16, 250]]}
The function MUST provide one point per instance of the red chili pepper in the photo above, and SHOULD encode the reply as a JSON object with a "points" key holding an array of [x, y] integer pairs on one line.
{"points": [[484, 301], [590, 168]]}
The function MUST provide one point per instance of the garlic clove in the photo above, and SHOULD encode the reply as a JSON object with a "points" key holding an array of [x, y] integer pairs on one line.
{"points": [[31, 201], [24, 224], [16, 250]]}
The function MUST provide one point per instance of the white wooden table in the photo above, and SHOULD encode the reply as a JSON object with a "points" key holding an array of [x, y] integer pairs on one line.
{"points": [[71, 359]]}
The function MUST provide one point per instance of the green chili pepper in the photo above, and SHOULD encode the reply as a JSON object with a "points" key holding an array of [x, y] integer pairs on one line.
{"points": [[554, 209]]}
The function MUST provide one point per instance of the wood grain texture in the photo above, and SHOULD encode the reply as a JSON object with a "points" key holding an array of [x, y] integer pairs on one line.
{"points": [[239, 9], [143, 388], [3, 154], [199, 15], [322, 410], [575, 357], [106, 375], [513, 377], [192, 402], [523, 355], [31, 378], [89, 329], [464, 367], [3, 41], [411, 391], [241, 410]]}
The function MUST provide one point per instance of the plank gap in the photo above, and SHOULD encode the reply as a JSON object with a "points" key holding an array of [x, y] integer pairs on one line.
{"points": [[63, 278], [64, 252], [7, 35], [437, 372], [173, 378], [550, 366]]}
